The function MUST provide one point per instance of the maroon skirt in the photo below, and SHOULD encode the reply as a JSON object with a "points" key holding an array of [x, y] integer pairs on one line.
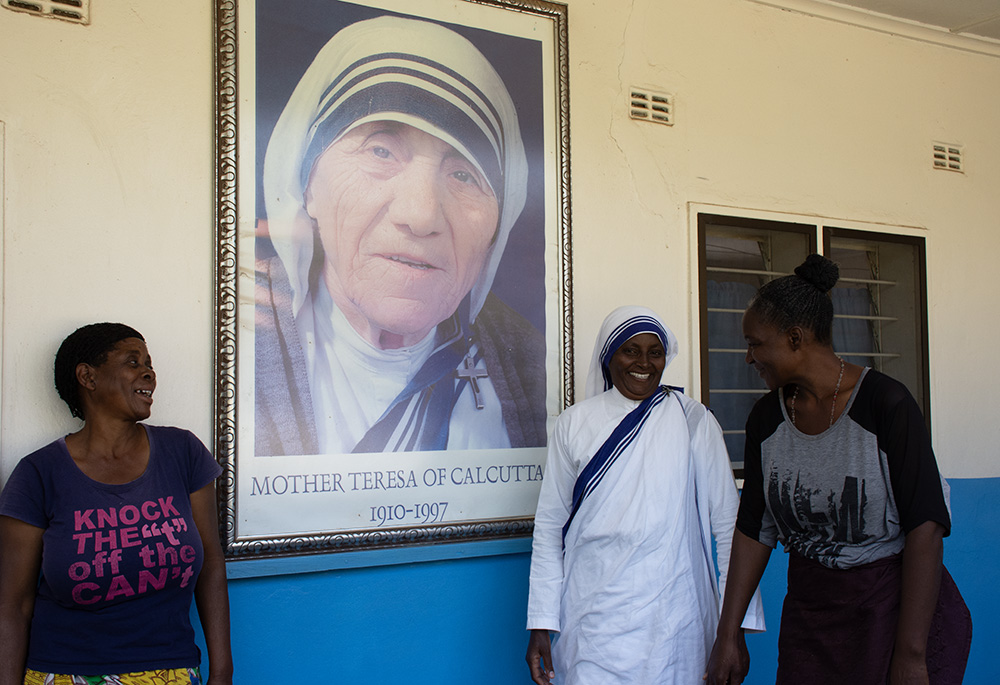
{"points": [[838, 626]]}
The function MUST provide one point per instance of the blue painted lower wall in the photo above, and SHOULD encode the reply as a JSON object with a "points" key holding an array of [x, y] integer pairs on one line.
{"points": [[463, 618]]}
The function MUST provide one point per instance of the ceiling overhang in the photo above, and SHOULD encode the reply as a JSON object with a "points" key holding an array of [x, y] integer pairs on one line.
{"points": [[969, 25]]}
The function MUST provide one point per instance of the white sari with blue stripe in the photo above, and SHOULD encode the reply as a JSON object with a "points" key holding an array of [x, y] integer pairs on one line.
{"points": [[634, 592]]}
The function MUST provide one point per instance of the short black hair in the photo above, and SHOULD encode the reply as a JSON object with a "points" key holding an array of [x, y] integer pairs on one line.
{"points": [[800, 300], [88, 344]]}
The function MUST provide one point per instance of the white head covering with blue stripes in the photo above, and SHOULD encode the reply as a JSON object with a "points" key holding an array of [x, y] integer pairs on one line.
{"points": [[619, 326], [393, 69]]}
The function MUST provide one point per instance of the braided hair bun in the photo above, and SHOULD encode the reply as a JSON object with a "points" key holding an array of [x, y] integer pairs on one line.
{"points": [[800, 300], [819, 272]]}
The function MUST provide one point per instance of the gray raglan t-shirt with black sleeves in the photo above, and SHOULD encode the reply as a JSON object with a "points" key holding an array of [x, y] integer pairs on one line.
{"points": [[848, 495]]}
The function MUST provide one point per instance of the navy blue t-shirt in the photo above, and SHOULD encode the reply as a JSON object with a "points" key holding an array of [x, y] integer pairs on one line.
{"points": [[119, 562]]}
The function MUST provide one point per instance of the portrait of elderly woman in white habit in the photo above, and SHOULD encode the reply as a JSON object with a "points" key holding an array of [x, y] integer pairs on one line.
{"points": [[392, 180]]}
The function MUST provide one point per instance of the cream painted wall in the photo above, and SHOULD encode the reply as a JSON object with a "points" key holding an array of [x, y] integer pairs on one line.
{"points": [[782, 112], [109, 203], [110, 183]]}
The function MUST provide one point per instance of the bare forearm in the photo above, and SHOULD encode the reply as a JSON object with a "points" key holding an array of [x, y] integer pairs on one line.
{"points": [[20, 560], [14, 628], [729, 661], [16, 607], [212, 598], [746, 566], [921, 582], [212, 592]]}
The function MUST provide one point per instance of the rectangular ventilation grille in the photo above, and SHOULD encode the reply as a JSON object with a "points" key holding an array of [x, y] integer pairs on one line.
{"points": [[948, 156], [649, 106], [76, 11]]}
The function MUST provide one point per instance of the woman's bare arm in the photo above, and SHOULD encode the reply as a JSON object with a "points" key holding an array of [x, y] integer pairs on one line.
{"points": [[20, 561]]}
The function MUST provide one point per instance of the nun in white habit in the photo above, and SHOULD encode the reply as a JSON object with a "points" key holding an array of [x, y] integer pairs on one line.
{"points": [[392, 180], [637, 482]]}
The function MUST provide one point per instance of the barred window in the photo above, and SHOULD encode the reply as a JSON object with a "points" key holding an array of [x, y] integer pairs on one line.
{"points": [[880, 317]]}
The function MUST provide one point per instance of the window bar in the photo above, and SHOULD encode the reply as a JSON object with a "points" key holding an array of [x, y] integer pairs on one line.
{"points": [[861, 317], [873, 355], [883, 355], [745, 272], [764, 247], [875, 295], [867, 281]]}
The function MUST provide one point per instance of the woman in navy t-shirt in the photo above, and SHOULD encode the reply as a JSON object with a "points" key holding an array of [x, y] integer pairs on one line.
{"points": [[108, 533]]}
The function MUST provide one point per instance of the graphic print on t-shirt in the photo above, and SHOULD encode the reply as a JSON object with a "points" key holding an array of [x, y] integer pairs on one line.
{"points": [[149, 532], [841, 514], [846, 496]]}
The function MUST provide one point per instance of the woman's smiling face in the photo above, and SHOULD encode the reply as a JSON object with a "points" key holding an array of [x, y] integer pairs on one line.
{"points": [[406, 222], [768, 350], [124, 383], [637, 365]]}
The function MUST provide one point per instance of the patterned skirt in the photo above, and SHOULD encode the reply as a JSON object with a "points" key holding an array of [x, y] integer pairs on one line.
{"points": [[163, 676]]}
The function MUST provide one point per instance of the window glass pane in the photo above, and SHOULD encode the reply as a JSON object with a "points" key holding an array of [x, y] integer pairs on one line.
{"points": [[880, 315], [879, 305], [737, 257]]}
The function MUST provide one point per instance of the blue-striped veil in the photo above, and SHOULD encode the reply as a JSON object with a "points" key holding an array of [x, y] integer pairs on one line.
{"points": [[620, 325]]}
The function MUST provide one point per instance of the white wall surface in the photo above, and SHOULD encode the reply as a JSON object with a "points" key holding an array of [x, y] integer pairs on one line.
{"points": [[109, 203], [109, 183]]}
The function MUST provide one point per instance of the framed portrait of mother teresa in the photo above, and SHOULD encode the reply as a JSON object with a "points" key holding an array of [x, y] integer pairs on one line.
{"points": [[393, 314]]}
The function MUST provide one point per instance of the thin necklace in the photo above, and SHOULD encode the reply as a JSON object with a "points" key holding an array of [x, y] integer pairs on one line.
{"points": [[836, 391]]}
